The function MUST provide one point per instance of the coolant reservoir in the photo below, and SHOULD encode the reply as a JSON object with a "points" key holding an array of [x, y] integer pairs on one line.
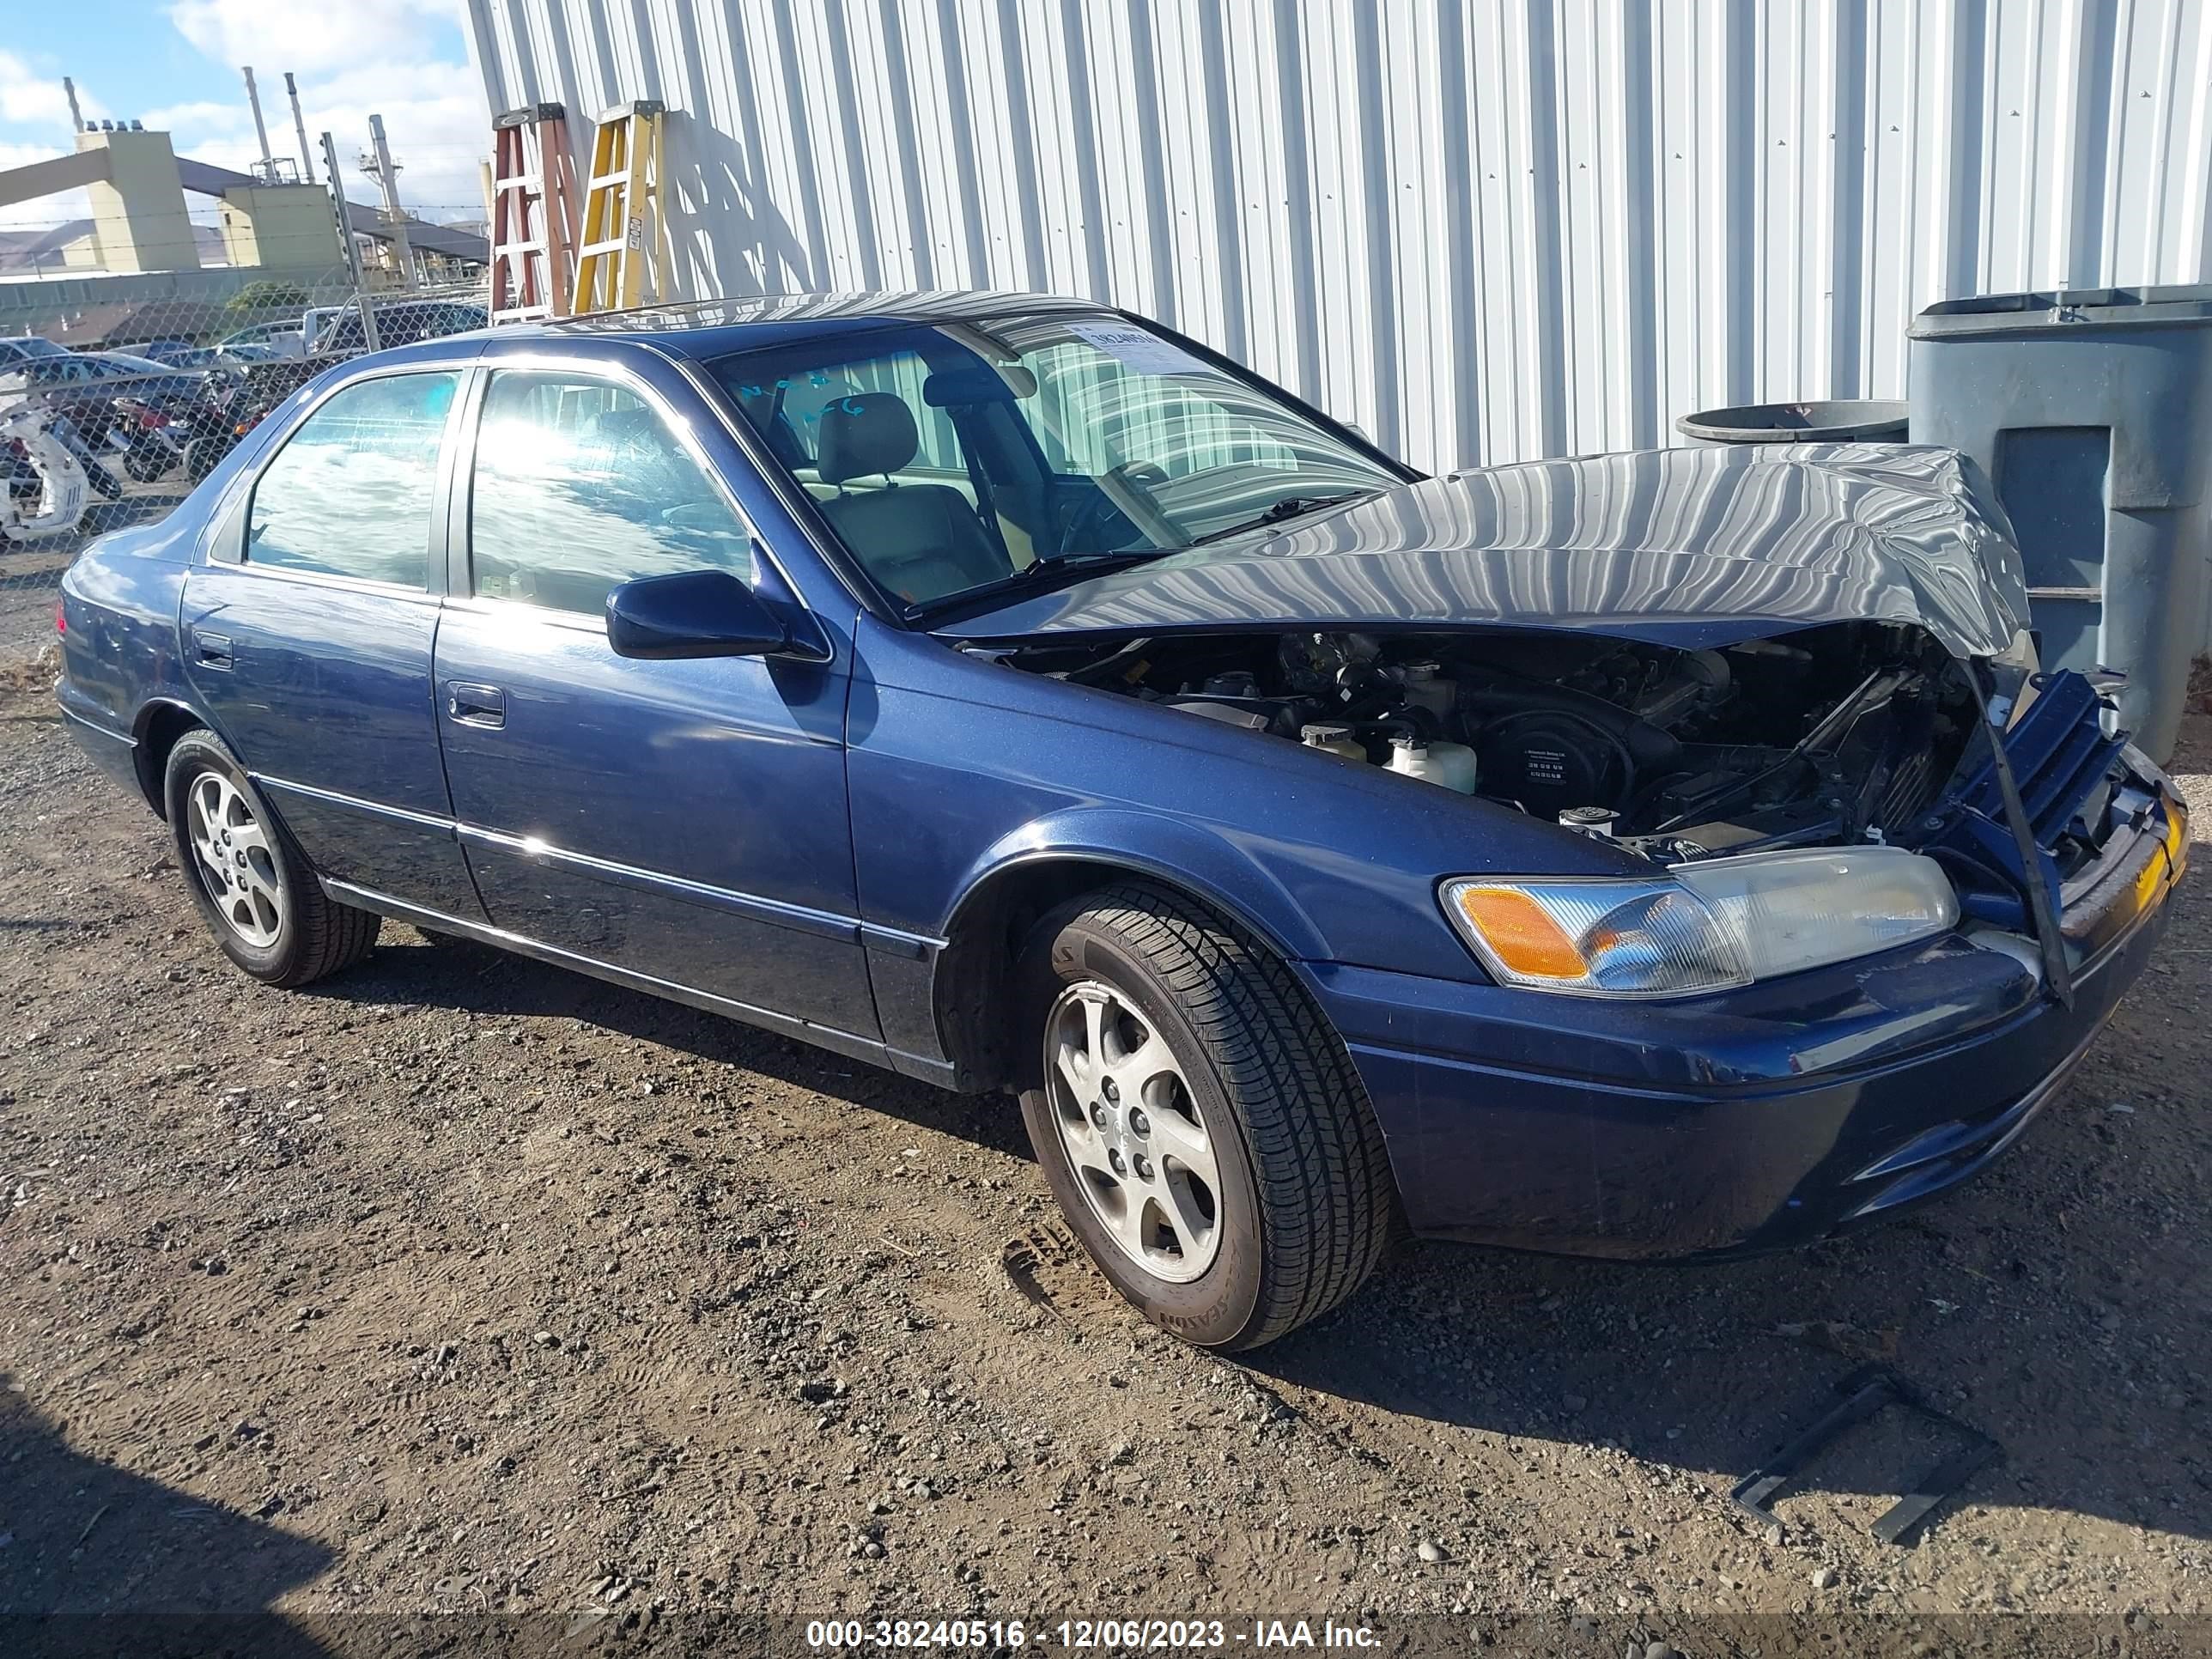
{"points": [[1451, 764], [1426, 688], [1337, 740]]}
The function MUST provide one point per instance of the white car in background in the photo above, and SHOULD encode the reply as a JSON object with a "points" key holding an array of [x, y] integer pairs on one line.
{"points": [[284, 338], [23, 348]]}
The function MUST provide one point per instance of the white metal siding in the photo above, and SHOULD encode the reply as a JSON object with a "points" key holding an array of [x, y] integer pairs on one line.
{"points": [[1486, 230]]}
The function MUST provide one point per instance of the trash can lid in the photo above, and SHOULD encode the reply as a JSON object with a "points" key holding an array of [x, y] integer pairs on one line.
{"points": [[2166, 306], [1835, 421]]}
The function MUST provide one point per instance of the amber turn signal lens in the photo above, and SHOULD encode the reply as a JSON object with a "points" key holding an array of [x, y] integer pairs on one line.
{"points": [[1524, 940]]}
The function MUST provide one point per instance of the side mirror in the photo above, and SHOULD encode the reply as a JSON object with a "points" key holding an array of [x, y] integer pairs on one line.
{"points": [[693, 613]]}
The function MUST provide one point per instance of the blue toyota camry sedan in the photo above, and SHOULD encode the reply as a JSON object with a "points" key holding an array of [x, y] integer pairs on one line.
{"points": [[1672, 854]]}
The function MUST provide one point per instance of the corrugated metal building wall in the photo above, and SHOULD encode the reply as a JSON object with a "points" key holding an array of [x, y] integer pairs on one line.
{"points": [[1486, 230]]}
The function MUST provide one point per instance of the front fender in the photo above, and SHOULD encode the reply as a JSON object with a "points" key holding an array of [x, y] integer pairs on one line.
{"points": [[1195, 857]]}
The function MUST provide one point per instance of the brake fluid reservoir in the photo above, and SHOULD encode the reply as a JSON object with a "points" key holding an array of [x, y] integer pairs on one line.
{"points": [[1451, 764], [1337, 740], [1426, 688]]}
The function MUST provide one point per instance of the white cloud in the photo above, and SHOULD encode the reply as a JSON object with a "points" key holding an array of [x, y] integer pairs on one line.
{"points": [[192, 116], [306, 38], [367, 61], [435, 119], [33, 98]]}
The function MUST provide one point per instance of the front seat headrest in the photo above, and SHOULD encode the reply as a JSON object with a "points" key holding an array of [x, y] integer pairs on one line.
{"points": [[867, 433], [623, 427]]}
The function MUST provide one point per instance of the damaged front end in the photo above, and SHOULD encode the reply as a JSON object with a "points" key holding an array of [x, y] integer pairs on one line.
{"points": [[2060, 829], [1753, 760], [1691, 655], [2053, 833]]}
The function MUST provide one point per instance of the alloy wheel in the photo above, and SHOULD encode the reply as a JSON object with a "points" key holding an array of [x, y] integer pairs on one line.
{"points": [[1131, 1128], [238, 867]]}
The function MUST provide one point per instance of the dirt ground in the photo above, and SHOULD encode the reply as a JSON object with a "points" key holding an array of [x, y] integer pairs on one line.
{"points": [[461, 1284]]}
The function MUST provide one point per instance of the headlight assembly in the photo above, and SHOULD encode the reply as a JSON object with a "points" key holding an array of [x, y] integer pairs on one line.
{"points": [[1711, 926]]}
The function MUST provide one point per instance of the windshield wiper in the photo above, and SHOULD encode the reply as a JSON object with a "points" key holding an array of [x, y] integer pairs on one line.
{"points": [[1040, 575], [1291, 506]]}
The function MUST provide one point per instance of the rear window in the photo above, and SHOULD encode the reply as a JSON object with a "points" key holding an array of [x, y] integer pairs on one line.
{"points": [[349, 492]]}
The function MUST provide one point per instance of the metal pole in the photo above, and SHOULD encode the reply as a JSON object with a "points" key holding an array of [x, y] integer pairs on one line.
{"points": [[260, 128], [345, 240], [76, 115], [300, 126], [402, 252]]}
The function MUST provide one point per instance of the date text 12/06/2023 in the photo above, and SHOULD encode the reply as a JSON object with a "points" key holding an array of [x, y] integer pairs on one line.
{"points": [[1083, 1635]]}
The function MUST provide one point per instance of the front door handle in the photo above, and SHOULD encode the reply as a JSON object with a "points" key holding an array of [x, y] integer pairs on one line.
{"points": [[213, 650], [476, 705]]}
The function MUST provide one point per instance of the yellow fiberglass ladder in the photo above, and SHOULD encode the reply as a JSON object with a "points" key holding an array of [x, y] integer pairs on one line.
{"points": [[621, 212], [534, 216]]}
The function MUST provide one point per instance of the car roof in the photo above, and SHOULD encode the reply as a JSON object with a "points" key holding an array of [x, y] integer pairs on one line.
{"points": [[712, 328], [707, 329]]}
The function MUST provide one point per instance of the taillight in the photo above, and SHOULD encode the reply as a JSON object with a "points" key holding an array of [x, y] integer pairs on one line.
{"points": [[61, 619]]}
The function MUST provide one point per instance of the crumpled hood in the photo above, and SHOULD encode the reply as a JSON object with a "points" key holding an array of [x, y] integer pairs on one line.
{"points": [[1692, 548]]}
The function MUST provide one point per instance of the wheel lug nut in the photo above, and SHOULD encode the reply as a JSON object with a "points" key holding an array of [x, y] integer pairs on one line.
{"points": [[1098, 1114], [1138, 1123], [1143, 1167], [1114, 1158], [1111, 1089]]}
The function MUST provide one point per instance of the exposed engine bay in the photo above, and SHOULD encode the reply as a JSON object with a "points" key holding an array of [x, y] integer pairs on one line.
{"points": [[1844, 733]]}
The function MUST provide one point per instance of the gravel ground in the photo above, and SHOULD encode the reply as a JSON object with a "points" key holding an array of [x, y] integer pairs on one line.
{"points": [[460, 1284]]}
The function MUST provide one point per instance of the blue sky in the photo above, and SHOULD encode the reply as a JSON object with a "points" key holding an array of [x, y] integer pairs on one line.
{"points": [[174, 63]]}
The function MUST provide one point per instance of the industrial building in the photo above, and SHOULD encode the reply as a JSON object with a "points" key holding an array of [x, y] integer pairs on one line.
{"points": [[1484, 232], [140, 265]]}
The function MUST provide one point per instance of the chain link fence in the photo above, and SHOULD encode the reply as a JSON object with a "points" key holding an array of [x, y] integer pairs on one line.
{"points": [[110, 413]]}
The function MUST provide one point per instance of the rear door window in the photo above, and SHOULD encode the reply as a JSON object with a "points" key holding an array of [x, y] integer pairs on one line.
{"points": [[349, 494], [581, 485]]}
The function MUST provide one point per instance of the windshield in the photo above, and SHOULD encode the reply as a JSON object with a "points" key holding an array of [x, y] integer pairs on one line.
{"points": [[953, 457]]}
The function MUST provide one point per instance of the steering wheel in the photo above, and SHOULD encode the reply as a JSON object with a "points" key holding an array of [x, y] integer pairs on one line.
{"points": [[1101, 525]]}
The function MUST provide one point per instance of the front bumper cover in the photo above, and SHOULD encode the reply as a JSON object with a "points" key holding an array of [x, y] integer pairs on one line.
{"points": [[1748, 1122]]}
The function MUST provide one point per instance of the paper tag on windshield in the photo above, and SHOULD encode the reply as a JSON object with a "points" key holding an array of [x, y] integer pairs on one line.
{"points": [[1134, 348]]}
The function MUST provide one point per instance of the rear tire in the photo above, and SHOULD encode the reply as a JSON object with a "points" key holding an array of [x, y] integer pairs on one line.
{"points": [[1205, 1133], [251, 886], [203, 455]]}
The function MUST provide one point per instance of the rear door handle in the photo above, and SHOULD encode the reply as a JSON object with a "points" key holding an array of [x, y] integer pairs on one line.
{"points": [[476, 705], [213, 650]]}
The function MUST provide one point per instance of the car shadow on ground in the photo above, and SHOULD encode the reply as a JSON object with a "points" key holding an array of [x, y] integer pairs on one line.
{"points": [[2029, 1331], [96, 1560], [1706, 1371], [2045, 1304], [483, 980]]}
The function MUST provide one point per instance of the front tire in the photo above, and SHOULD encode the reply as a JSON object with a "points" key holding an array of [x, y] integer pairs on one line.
{"points": [[1199, 1123], [251, 886]]}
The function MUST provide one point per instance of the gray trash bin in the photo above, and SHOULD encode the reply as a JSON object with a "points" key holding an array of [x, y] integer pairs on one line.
{"points": [[2089, 408], [1837, 421]]}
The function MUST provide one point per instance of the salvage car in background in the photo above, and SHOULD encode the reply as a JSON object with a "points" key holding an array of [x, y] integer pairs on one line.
{"points": [[1670, 853]]}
